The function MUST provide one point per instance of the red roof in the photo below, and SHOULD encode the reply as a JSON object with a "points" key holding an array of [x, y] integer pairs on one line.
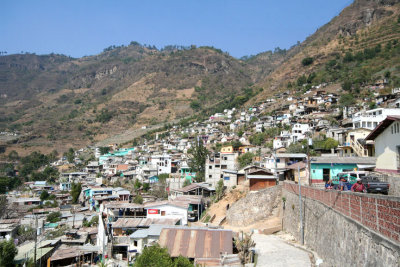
{"points": [[382, 126]]}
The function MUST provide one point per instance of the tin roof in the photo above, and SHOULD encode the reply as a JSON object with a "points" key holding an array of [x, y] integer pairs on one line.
{"points": [[196, 243], [141, 222], [343, 160]]}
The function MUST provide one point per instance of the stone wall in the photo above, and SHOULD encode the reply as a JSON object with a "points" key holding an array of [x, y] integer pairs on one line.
{"points": [[345, 228], [394, 182], [257, 205]]}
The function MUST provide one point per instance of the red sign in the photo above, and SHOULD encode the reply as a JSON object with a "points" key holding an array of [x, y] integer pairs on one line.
{"points": [[153, 211]]}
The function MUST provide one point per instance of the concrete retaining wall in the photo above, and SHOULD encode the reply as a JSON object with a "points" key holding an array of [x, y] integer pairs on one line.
{"points": [[344, 228], [256, 206]]}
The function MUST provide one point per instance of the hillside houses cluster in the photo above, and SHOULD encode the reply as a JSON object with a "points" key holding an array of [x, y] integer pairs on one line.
{"points": [[136, 197]]}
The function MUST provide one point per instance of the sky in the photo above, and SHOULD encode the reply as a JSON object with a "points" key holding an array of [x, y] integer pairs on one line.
{"points": [[85, 27]]}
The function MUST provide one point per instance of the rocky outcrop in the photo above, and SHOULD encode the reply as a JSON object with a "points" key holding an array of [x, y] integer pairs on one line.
{"points": [[256, 206]]}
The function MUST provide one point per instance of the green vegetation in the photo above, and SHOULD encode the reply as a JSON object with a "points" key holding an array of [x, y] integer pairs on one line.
{"points": [[75, 192], [198, 155], [219, 190], [245, 159], [138, 199], [54, 217], [8, 251], [155, 256], [93, 222], [104, 116], [104, 150], [307, 61]]}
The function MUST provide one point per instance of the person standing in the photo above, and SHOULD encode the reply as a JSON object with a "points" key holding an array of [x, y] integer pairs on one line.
{"points": [[343, 184]]}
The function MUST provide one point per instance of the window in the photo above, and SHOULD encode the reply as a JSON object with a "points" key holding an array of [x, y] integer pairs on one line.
{"points": [[369, 124], [210, 176], [313, 171], [135, 243], [224, 167], [217, 166], [210, 167], [225, 158]]}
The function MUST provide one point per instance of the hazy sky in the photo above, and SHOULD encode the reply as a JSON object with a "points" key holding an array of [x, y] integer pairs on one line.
{"points": [[86, 27]]}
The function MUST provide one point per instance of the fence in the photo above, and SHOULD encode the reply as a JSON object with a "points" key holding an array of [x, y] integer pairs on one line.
{"points": [[377, 212]]}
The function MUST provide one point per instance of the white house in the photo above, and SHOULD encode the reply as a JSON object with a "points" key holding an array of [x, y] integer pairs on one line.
{"points": [[299, 130], [168, 210], [387, 144], [371, 118], [163, 163]]}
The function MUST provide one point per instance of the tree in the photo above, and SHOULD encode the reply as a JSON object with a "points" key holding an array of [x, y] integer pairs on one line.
{"points": [[54, 217], [137, 184], [44, 195], [219, 190], [70, 155], [104, 150], [347, 100], [346, 85], [154, 256], [198, 155], [138, 199], [307, 61], [146, 187], [245, 159], [3, 205], [182, 262], [8, 251], [186, 182], [75, 192], [13, 155]]}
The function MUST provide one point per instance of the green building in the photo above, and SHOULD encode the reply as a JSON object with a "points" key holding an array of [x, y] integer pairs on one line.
{"points": [[326, 168]]}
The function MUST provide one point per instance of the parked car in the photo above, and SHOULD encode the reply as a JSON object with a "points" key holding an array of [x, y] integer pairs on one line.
{"points": [[374, 185]]}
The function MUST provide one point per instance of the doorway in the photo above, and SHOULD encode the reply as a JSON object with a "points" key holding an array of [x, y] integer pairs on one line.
{"points": [[326, 174]]}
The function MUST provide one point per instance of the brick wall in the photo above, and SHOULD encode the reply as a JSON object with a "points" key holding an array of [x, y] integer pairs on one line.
{"points": [[377, 212]]}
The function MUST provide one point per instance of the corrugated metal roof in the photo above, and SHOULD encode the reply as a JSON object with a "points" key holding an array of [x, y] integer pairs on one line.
{"points": [[141, 222], [196, 243], [343, 160]]}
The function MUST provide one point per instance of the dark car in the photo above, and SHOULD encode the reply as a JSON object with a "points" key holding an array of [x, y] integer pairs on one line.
{"points": [[374, 185]]}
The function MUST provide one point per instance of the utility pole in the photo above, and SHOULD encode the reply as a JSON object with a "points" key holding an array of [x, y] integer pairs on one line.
{"points": [[301, 208], [36, 229]]}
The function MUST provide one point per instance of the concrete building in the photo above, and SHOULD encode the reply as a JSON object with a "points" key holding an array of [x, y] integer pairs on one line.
{"points": [[163, 163], [168, 210], [371, 118], [387, 144], [299, 131], [216, 164]]}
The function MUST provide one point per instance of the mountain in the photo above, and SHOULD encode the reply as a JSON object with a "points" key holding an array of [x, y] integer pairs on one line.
{"points": [[367, 32], [55, 101]]}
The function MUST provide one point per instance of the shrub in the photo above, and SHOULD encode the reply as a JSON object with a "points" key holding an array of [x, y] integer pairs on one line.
{"points": [[307, 61]]}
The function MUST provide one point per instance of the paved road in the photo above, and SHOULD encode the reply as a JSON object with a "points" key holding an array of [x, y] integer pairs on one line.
{"points": [[274, 252]]}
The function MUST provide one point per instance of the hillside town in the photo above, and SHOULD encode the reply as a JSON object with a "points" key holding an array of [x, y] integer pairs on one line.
{"points": [[107, 204]]}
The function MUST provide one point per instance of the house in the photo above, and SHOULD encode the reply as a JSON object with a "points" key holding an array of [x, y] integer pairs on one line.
{"points": [[299, 131], [197, 243], [216, 164], [371, 118], [353, 144], [168, 210], [296, 169], [325, 168], [387, 144], [197, 189], [163, 163], [279, 162], [261, 179]]}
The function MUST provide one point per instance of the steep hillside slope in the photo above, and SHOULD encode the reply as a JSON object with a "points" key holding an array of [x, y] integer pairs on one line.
{"points": [[56, 101], [367, 30]]}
